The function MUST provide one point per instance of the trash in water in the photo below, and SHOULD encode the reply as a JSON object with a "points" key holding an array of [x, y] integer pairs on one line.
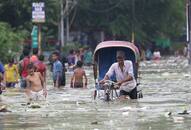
{"points": [[25, 104], [185, 112], [34, 106], [94, 123], [168, 114], [4, 109]]}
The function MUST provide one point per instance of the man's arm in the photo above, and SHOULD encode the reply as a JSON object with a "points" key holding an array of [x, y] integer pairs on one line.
{"points": [[128, 78], [43, 85], [17, 73], [27, 89], [72, 81], [86, 79], [42, 80], [44, 76]]}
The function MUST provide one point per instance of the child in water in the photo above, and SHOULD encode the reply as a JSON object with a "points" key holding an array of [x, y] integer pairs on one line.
{"points": [[36, 89], [77, 78]]}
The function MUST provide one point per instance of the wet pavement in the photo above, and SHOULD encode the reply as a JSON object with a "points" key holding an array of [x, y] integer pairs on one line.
{"points": [[165, 84]]}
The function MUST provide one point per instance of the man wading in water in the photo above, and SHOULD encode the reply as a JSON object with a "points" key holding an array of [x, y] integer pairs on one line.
{"points": [[78, 76], [36, 90], [123, 70]]}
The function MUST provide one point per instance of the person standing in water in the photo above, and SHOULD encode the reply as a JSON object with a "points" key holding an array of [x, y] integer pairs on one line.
{"points": [[123, 71], [36, 89], [23, 67], [11, 73], [88, 57], [41, 67], [78, 76], [57, 70]]}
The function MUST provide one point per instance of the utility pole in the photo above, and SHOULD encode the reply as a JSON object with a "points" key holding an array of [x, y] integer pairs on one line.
{"points": [[62, 23], [133, 22], [39, 40], [188, 14]]}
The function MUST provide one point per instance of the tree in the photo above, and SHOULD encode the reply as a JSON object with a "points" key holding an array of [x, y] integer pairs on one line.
{"points": [[10, 41], [149, 19]]}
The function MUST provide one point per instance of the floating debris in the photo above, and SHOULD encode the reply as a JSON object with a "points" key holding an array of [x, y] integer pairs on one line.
{"points": [[4, 109], [94, 123], [25, 104], [34, 106], [168, 114], [185, 112]]}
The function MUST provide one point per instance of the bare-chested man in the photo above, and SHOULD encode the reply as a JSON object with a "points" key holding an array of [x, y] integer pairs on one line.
{"points": [[35, 84], [78, 76]]}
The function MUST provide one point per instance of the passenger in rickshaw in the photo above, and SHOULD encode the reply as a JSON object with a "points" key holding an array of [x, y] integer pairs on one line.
{"points": [[123, 70]]}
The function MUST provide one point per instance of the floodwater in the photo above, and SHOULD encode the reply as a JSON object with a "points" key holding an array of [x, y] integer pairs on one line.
{"points": [[165, 84]]}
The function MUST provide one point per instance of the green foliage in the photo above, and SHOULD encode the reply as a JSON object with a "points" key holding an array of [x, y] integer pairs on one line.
{"points": [[18, 14], [148, 19], [10, 41]]}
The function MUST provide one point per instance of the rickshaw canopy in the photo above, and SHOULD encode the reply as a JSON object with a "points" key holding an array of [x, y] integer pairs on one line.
{"points": [[110, 44]]}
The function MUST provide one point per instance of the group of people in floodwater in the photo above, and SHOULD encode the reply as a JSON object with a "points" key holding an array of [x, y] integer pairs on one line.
{"points": [[151, 55], [30, 71]]}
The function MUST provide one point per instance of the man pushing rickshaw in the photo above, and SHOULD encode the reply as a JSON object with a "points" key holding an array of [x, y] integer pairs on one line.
{"points": [[123, 71], [116, 70]]}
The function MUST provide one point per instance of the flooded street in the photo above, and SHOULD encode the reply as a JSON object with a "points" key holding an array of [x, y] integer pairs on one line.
{"points": [[165, 85]]}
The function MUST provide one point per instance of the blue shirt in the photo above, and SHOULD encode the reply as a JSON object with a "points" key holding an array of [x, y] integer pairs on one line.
{"points": [[57, 68], [2, 70]]}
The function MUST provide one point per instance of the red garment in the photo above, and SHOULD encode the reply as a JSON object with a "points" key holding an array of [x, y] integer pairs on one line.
{"points": [[24, 65], [41, 67], [34, 59]]}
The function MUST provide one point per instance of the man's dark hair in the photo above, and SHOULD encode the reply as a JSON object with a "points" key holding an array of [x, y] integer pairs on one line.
{"points": [[79, 64], [30, 66], [27, 47], [77, 51], [26, 52], [55, 53], [71, 51], [11, 60], [35, 51], [41, 57]]}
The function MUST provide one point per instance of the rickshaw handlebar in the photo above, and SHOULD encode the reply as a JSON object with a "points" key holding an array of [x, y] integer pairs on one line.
{"points": [[110, 82]]}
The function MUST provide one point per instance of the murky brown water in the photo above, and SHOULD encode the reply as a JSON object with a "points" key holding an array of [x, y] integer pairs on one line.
{"points": [[166, 88]]}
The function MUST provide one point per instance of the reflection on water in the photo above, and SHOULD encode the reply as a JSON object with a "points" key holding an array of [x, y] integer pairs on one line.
{"points": [[166, 88]]}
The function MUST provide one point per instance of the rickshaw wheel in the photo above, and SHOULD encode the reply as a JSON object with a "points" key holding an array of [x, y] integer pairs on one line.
{"points": [[107, 97]]}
